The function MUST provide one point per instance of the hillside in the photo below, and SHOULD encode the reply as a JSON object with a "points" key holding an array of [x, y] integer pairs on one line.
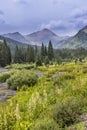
{"points": [[16, 36], [37, 38], [77, 41], [12, 43], [44, 36]]}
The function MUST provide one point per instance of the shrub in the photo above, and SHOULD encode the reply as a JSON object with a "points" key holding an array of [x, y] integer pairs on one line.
{"points": [[21, 78], [28, 67], [46, 125], [20, 66], [69, 76], [4, 77], [46, 61], [63, 77], [38, 60], [67, 113]]}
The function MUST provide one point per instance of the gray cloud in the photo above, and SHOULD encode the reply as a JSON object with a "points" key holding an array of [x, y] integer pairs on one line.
{"points": [[77, 13], [63, 17], [1, 12], [55, 2], [51, 24], [61, 26], [68, 26], [22, 2], [2, 21]]}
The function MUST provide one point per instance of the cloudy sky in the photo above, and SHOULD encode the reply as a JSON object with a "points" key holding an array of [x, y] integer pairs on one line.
{"points": [[64, 17]]}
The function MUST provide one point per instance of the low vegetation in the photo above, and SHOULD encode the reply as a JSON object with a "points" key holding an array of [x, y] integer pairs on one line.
{"points": [[55, 101], [4, 77], [21, 78]]}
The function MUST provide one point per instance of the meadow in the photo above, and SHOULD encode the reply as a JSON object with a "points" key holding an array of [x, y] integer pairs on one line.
{"points": [[52, 97]]}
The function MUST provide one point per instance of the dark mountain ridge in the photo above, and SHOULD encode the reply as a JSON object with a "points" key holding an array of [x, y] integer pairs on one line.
{"points": [[37, 38], [77, 41]]}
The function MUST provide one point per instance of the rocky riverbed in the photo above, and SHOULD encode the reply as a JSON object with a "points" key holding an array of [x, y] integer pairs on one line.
{"points": [[5, 93]]}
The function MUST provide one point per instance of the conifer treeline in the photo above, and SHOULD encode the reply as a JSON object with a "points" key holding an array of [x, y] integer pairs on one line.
{"points": [[33, 54], [5, 54], [26, 55]]}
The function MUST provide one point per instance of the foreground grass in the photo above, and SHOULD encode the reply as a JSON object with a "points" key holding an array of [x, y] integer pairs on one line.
{"points": [[55, 102]]}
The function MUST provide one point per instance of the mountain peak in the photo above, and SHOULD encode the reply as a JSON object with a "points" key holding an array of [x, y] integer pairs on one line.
{"points": [[85, 27], [16, 33], [44, 35], [45, 29], [13, 33], [15, 36], [78, 41]]}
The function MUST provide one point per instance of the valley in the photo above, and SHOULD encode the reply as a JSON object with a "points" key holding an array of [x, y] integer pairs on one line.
{"points": [[56, 95], [42, 88], [43, 65]]}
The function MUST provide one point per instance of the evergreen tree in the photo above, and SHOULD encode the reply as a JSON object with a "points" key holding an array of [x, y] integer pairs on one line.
{"points": [[46, 61], [30, 56], [5, 54], [27, 54], [36, 50], [23, 54], [46, 53], [50, 51], [9, 55], [42, 52], [17, 55], [38, 60], [58, 60], [2, 57]]}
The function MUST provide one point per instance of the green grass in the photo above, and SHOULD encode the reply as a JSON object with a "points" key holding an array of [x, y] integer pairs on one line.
{"points": [[4, 77], [51, 104]]}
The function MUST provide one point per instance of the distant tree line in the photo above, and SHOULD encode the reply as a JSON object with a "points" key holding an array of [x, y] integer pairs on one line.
{"points": [[26, 55], [70, 54], [33, 54], [5, 54]]}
